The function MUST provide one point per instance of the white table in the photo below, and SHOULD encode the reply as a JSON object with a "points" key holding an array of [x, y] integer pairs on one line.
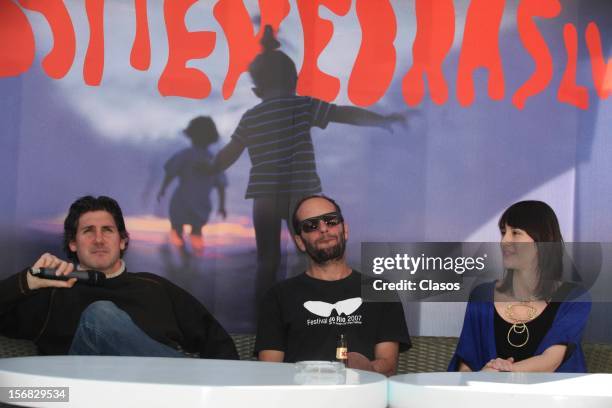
{"points": [[500, 390], [182, 382]]}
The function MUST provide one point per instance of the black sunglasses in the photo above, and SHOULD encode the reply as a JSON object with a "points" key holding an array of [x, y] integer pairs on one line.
{"points": [[312, 224]]}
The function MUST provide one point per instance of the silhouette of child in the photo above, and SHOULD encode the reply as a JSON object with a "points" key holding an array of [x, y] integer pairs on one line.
{"points": [[190, 203], [276, 133]]}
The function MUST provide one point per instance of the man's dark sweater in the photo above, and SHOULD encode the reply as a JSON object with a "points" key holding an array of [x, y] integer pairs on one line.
{"points": [[161, 309]]}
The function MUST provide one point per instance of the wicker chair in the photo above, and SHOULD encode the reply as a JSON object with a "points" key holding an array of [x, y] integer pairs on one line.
{"points": [[432, 354], [598, 357], [428, 353], [16, 348], [245, 344]]}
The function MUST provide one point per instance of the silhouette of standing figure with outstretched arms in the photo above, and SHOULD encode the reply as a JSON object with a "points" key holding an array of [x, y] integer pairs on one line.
{"points": [[276, 133]]}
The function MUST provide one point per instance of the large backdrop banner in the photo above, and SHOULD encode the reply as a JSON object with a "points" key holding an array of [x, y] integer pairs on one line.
{"points": [[452, 110]]}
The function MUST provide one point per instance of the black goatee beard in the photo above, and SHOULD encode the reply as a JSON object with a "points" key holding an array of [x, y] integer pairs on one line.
{"points": [[326, 255]]}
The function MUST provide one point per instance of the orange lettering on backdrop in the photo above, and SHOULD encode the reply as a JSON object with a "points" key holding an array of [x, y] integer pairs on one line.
{"points": [[536, 46], [480, 48], [317, 34], [242, 43], [59, 60], [183, 45], [375, 63], [140, 57], [93, 67], [569, 92], [16, 40], [434, 38], [602, 72]]}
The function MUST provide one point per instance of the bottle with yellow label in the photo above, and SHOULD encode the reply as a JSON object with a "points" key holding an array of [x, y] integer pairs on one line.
{"points": [[342, 350]]}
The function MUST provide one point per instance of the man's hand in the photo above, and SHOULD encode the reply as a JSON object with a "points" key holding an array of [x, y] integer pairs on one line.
{"points": [[61, 268], [359, 361], [499, 364], [274, 356]]}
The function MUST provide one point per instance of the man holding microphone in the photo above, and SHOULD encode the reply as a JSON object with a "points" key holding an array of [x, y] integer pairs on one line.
{"points": [[121, 313]]}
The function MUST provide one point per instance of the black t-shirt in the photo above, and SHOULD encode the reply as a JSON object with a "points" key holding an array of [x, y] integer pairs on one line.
{"points": [[536, 328], [304, 317]]}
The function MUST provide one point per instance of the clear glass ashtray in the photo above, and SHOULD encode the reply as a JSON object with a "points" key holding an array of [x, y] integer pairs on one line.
{"points": [[319, 373]]}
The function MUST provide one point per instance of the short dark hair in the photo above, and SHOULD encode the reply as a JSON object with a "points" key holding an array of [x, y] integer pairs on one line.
{"points": [[87, 204], [202, 131], [540, 222], [294, 219]]}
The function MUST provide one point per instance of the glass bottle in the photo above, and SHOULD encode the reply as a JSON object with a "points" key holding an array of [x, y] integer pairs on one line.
{"points": [[342, 350]]}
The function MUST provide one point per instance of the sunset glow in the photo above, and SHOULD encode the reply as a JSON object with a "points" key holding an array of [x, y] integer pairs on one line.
{"points": [[235, 232]]}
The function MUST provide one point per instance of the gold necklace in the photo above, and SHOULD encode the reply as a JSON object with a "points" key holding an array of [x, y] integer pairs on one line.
{"points": [[520, 326]]}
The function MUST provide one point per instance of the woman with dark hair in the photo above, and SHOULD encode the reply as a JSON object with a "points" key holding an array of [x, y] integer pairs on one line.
{"points": [[530, 320]]}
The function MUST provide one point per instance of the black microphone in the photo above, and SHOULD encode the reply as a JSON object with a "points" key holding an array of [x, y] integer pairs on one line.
{"points": [[90, 276]]}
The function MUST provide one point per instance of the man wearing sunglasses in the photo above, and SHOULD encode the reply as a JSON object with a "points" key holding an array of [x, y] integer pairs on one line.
{"points": [[303, 317]]}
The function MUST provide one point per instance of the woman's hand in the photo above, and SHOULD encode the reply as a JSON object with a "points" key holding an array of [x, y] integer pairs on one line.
{"points": [[499, 364]]}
